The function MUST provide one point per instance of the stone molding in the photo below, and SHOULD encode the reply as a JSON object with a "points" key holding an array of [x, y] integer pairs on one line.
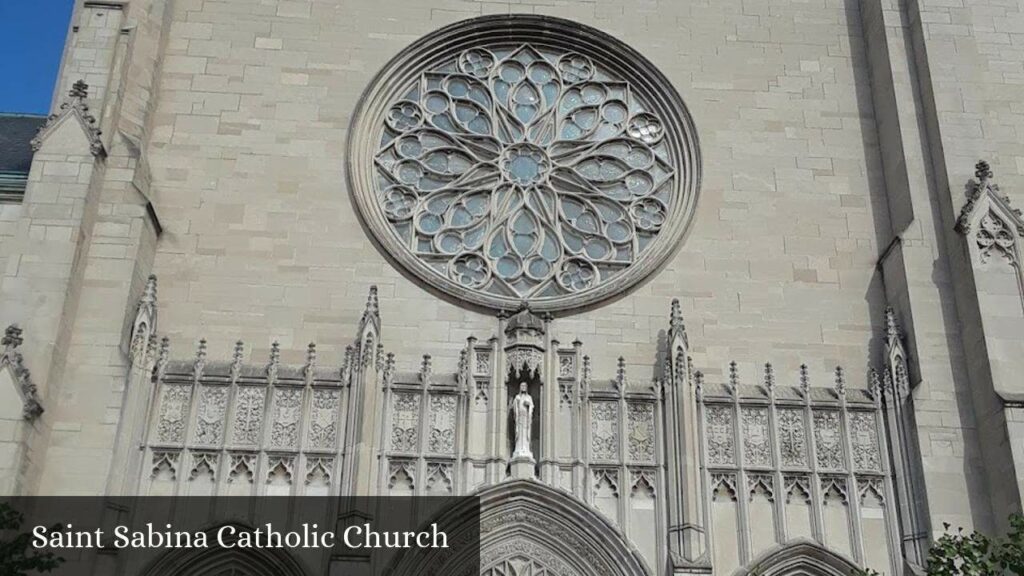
{"points": [[74, 107]]}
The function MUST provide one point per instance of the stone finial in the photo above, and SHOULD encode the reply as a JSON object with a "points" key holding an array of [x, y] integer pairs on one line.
{"points": [[371, 312], [769, 378], [698, 383], [805, 380], [677, 328], [236, 360], [12, 337], [983, 172], [163, 357], [149, 291], [840, 379], [310, 366], [200, 361], [892, 327], [734, 378], [586, 376], [275, 361], [79, 90], [874, 385], [389, 368], [347, 364], [462, 376], [620, 374], [426, 369]]}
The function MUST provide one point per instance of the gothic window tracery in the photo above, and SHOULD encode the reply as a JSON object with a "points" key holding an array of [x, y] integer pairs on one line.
{"points": [[541, 169]]}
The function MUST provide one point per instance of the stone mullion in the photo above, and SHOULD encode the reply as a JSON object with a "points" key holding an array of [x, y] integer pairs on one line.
{"points": [[547, 460], [387, 426], [587, 445], [779, 492], [742, 491], [189, 446], [818, 527], [301, 458], [625, 479], [579, 471], [705, 474], [421, 441], [661, 495], [852, 488], [889, 506], [498, 453]]}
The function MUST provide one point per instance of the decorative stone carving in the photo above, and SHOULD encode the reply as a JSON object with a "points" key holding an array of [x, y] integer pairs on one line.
{"points": [[439, 477], [565, 393], [864, 441], [248, 420], [566, 366], [871, 486], [723, 487], [204, 466], [284, 432], [586, 159], [402, 470], [11, 359], [318, 471], [483, 363], [757, 449], [522, 414], [280, 470], [608, 477], [761, 485], [642, 482], [442, 424], [641, 432], [74, 106], [405, 422], [604, 430], [798, 488], [165, 465], [720, 439], [792, 437], [323, 417], [833, 490], [828, 439], [213, 402], [481, 392], [994, 237], [525, 358], [174, 406], [243, 468]]}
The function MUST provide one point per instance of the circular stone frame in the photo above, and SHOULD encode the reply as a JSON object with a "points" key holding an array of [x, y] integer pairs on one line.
{"points": [[610, 53]]}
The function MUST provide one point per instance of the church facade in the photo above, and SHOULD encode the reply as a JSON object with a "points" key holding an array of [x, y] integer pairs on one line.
{"points": [[673, 287]]}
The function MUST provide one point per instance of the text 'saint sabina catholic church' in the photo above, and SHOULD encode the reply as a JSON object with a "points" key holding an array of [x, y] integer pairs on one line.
{"points": [[743, 266]]}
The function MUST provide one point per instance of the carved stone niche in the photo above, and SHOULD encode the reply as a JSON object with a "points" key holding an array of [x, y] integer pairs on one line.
{"points": [[525, 349]]}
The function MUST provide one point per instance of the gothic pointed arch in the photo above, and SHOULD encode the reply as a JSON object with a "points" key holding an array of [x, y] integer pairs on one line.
{"points": [[526, 527], [798, 558], [217, 561]]}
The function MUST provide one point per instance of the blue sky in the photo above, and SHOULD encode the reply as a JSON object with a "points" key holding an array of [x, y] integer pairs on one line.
{"points": [[32, 34]]}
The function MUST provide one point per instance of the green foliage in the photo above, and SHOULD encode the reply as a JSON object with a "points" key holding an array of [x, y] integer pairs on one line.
{"points": [[17, 556], [974, 554]]}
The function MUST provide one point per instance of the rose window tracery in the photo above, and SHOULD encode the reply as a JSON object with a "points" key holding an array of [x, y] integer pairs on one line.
{"points": [[537, 170]]}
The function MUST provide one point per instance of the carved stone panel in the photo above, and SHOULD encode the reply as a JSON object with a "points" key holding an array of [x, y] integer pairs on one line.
{"points": [[604, 430], [323, 417], [792, 437], [757, 449], [248, 418], [828, 439], [566, 366], [641, 432], [213, 402], [174, 406], [864, 436], [442, 424], [405, 422], [720, 439], [284, 431]]}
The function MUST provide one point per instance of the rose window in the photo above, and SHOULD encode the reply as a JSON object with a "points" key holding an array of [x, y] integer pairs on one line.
{"points": [[555, 168]]}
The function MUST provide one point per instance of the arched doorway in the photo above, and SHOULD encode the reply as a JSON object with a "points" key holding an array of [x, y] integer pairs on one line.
{"points": [[530, 529], [799, 558]]}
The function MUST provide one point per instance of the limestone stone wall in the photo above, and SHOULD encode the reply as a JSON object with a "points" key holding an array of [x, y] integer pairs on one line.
{"points": [[262, 241]]}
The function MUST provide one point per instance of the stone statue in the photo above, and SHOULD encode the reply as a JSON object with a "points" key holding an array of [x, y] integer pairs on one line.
{"points": [[522, 412]]}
